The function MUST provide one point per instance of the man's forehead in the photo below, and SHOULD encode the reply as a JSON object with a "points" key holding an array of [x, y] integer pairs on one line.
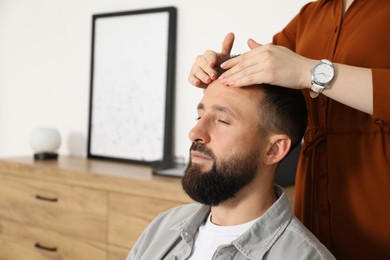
{"points": [[230, 99], [243, 94]]}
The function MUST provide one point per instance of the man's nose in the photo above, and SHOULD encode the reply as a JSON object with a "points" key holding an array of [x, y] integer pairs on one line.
{"points": [[200, 132]]}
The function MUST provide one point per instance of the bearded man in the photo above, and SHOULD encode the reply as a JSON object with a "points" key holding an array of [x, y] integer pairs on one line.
{"points": [[240, 137]]}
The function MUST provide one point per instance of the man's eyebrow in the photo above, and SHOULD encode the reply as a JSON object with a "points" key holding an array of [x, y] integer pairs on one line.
{"points": [[218, 108]]}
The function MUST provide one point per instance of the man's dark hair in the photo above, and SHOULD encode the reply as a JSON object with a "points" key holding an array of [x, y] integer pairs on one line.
{"points": [[282, 110]]}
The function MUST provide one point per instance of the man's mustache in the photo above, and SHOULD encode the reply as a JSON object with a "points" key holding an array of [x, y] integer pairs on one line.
{"points": [[202, 149]]}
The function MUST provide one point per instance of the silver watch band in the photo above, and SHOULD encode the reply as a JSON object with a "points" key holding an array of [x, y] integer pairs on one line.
{"points": [[317, 88]]}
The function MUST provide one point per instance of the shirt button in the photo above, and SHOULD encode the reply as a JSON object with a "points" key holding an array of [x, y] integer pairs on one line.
{"points": [[379, 122]]}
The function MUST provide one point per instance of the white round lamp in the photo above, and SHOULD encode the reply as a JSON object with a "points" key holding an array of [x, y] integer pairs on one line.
{"points": [[45, 142]]}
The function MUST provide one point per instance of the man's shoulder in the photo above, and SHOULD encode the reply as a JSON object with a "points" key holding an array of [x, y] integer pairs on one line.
{"points": [[163, 232], [301, 242]]}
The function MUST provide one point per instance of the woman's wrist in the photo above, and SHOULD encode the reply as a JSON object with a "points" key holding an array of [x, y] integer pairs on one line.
{"points": [[306, 74]]}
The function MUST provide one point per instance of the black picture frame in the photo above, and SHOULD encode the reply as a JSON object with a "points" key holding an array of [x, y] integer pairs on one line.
{"points": [[131, 106]]}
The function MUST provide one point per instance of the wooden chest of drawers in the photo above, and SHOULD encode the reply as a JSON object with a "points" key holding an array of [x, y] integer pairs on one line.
{"points": [[76, 208]]}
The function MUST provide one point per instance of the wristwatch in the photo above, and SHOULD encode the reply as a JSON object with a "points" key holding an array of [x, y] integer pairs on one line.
{"points": [[322, 75]]}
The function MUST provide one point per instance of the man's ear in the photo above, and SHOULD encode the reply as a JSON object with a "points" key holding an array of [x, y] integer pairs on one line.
{"points": [[278, 148]]}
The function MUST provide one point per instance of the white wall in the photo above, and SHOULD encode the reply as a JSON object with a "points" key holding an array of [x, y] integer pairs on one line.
{"points": [[45, 60]]}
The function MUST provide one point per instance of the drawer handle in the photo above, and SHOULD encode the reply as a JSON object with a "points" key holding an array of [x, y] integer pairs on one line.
{"points": [[39, 197], [51, 249]]}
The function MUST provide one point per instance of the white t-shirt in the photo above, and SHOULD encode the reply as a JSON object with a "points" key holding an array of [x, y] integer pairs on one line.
{"points": [[211, 236]]}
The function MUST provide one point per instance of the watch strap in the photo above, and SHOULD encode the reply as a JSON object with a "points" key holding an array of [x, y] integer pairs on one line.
{"points": [[314, 94]]}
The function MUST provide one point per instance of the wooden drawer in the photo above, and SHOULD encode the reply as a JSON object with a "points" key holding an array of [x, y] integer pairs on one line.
{"points": [[70, 210], [129, 216], [26, 242]]}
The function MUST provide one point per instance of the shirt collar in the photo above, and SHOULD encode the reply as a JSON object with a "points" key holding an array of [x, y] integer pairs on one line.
{"points": [[189, 226], [323, 2], [258, 239]]}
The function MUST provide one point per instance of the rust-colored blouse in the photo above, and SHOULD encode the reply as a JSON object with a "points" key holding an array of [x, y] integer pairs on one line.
{"points": [[343, 178]]}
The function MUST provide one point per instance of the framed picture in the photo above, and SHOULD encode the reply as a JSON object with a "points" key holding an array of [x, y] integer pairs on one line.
{"points": [[132, 86]]}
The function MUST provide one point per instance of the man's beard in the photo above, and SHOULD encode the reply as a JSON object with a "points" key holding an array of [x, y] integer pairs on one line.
{"points": [[223, 181]]}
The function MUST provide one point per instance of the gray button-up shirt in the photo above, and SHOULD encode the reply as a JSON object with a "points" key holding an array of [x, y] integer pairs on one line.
{"points": [[275, 235]]}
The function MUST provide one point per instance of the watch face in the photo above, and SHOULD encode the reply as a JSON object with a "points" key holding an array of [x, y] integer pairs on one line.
{"points": [[323, 73]]}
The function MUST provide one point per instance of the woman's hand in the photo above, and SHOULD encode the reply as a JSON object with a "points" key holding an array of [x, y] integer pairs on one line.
{"points": [[269, 64], [202, 71]]}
